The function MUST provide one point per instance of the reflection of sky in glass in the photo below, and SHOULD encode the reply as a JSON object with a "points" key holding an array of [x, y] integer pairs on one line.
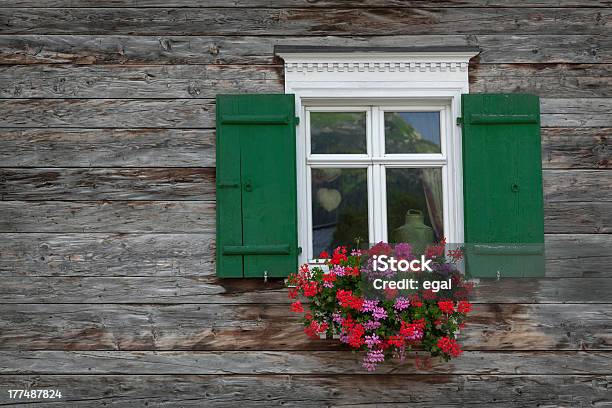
{"points": [[426, 123]]}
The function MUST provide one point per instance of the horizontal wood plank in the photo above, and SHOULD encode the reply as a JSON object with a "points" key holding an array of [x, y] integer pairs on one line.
{"points": [[272, 21], [212, 290], [99, 254], [578, 148], [274, 327], [153, 81], [586, 148], [314, 391], [199, 184], [108, 184], [137, 216], [108, 216], [303, 3], [295, 362], [95, 254], [545, 80], [199, 113], [188, 81], [91, 49], [578, 217], [108, 113], [577, 185], [108, 148]]}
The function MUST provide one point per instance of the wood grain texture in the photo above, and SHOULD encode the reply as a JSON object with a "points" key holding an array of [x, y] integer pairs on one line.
{"points": [[314, 391], [96, 254], [110, 49], [577, 185], [188, 81], [199, 113], [586, 148], [212, 290], [294, 362], [578, 148], [100, 254], [305, 22], [108, 113], [107, 148], [107, 184], [199, 216], [152, 81], [578, 217], [199, 184], [108, 216], [274, 327], [545, 80], [304, 3]]}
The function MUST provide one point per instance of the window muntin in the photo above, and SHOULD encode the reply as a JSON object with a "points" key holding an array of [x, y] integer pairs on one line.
{"points": [[422, 125]]}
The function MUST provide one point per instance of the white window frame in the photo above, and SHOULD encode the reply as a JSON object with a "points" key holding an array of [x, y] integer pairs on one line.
{"points": [[348, 80]]}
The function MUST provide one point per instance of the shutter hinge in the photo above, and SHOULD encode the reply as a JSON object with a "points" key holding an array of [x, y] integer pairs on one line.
{"points": [[459, 121], [297, 120], [299, 250]]}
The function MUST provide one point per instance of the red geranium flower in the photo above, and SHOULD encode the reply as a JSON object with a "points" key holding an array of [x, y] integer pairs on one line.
{"points": [[464, 307], [446, 306], [297, 307], [324, 255], [449, 346]]}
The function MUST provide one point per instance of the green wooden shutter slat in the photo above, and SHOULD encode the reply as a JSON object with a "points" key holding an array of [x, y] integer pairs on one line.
{"points": [[502, 187], [255, 119], [261, 185], [257, 250], [479, 119]]}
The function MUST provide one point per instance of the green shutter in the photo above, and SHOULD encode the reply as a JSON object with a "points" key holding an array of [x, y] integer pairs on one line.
{"points": [[256, 186], [502, 185]]}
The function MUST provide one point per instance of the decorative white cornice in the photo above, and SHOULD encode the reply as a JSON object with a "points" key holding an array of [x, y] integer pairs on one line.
{"points": [[375, 68], [380, 67]]}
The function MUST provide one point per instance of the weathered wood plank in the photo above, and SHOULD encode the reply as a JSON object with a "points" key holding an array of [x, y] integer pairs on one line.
{"points": [[578, 217], [274, 327], [199, 113], [315, 391], [157, 81], [211, 290], [108, 184], [199, 216], [576, 112], [89, 49], [108, 216], [576, 148], [106, 254], [294, 362], [188, 81], [198, 184], [545, 80], [108, 113], [273, 21], [577, 185], [99, 254], [107, 148], [304, 3], [575, 255]]}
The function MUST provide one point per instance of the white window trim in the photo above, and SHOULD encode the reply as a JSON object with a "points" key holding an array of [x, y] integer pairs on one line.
{"points": [[379, 78]]}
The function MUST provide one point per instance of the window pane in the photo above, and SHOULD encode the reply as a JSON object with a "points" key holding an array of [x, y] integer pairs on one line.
{"points": [[414, 206], [338, 132], [412, 132], [339, 208]]}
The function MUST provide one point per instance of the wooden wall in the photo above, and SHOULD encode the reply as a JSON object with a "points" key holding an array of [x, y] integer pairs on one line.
{"points": [[107, 205]]}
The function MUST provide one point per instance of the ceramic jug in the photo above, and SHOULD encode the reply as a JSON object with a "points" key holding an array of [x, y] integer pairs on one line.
{"points": [[414, 232]]}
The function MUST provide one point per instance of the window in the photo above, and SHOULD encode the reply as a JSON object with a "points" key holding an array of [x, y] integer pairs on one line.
{"points": [[378, 145], [375, 172]]}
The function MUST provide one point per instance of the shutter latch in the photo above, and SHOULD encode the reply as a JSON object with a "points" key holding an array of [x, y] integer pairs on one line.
{"points": [[297, 120], [265, 276], [459, 121]]}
